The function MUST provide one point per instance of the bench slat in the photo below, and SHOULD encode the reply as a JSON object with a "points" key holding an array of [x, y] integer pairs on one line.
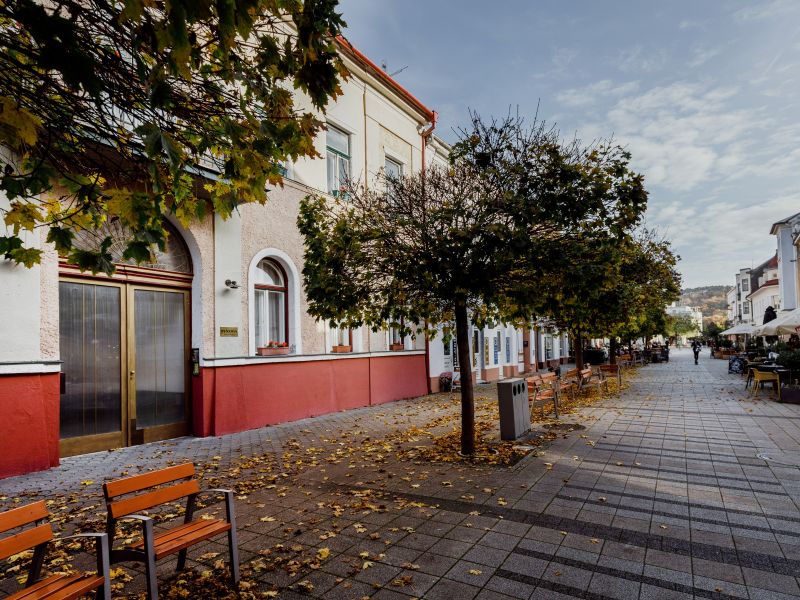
{"points": [[127, 506], [184, 536], [25, 540], [16, 517], [60, 587], [136, 483]]}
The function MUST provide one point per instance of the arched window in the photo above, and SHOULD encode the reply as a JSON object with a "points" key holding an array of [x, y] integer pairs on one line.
{"points": [[271, 304]]}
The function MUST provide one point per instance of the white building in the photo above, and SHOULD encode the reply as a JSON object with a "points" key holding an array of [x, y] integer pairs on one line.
{"points": [[765, 289], [695, 314], [787, 233]]}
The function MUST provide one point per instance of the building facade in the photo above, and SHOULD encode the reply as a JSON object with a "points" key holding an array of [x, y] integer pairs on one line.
{"points": [[214, 335], [787, 233]]}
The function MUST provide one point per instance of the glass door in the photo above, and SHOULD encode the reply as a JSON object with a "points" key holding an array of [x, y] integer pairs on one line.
{"points": [[92, 415], [158, 377]]}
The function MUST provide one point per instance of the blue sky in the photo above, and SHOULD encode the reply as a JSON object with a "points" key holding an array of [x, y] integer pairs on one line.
{"points": [[705, 94]]}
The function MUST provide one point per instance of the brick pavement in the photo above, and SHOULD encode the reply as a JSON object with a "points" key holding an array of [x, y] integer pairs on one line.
{"points": [[680, 487]]}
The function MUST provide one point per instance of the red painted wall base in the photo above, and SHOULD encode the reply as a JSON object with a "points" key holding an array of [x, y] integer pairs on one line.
{"points": [[29, 404], [236, 398]]}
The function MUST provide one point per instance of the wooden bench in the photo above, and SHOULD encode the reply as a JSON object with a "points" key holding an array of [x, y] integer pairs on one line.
{"points": [[543, 389], [127, 497], [570, 382], [613, 370], [36, 533], [590, 377], [625, 360]]}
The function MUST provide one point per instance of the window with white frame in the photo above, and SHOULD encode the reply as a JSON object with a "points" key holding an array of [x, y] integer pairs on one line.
{"points": [[343, 336], [392, 169], [338, 156], [745, 285], [271, 308]]}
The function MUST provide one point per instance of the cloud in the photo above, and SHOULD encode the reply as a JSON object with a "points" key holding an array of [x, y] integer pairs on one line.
{"points": [[765, 10], [681, 135], [604, 89], [702, 55], [636, 59]]}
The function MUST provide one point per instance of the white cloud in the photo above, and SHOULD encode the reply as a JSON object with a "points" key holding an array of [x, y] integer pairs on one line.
{"points": [[702, 55], [636, 59], [757, 11], [603, 89]]}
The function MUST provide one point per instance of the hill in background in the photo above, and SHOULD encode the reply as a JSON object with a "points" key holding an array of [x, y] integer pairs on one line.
{"points": [[710, 299]]}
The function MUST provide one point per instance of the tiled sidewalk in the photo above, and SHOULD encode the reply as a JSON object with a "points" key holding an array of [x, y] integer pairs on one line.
{"points": [[663, 495]]}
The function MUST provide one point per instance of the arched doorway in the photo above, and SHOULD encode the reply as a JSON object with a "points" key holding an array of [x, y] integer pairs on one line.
{"points": [[124, 344]]}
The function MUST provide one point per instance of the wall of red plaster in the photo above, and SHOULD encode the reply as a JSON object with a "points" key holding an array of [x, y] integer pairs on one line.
{"points": [[29, 428], [236, 398]]}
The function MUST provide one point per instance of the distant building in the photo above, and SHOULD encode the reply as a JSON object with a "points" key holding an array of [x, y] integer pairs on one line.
{"points": [[787, 232], [764, 289], [694, 313]]}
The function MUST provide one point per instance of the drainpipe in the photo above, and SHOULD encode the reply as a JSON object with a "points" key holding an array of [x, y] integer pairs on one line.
{"points": [[425, 134]]}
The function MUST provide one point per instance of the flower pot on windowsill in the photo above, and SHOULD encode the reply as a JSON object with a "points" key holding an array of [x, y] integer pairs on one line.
{"points": [[268, 351], [342, 349], [396, 347]]}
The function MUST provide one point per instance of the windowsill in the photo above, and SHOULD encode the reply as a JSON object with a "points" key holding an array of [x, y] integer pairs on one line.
{"points": [[253, 360]]}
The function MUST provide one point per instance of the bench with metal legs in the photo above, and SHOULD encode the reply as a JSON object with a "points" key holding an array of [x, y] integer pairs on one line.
{"points": [[128, 496]]}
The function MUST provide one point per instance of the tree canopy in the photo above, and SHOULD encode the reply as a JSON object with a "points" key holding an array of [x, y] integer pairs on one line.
{"points": [[438, 248], [136, 109]]}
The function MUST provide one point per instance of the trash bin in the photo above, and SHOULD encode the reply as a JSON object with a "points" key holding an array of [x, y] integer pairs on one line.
{"points": [[515, 416]]}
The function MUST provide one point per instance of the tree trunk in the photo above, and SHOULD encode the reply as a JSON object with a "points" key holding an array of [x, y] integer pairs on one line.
{"points": [[578, 338], [612, 351], [467, 397]]}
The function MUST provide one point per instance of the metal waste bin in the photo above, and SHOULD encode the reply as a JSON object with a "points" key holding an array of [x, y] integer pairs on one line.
{"points": [[515, 416]]}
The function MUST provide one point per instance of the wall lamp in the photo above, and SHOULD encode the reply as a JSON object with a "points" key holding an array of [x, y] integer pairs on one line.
{"points": [[232, 284]]}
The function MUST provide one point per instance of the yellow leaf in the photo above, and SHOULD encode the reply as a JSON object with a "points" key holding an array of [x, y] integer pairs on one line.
{"points": [[323, 553], [17, 124], [474, 572]]}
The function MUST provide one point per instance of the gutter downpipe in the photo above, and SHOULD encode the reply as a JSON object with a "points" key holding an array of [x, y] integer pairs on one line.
{"points": [[425, 134]]}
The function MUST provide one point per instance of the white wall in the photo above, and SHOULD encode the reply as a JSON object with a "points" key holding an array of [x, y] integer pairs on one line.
{"points": [[20, 304]]}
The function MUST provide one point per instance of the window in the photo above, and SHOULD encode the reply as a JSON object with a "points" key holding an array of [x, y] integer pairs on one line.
{"points": [[745, 285], [343, 336], [338, 151], [746, 308], [270, 304], [392, 169]]}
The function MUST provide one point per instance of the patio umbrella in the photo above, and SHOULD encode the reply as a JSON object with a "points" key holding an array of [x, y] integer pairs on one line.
{"points": [[740, 329], [785, 324]]}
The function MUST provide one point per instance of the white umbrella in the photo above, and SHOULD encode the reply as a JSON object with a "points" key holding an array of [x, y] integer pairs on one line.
{"points": [[785, 324], [741, 328]]}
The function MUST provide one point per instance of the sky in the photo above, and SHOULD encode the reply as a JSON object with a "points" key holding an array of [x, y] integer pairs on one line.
{"points": [[704, 94]]}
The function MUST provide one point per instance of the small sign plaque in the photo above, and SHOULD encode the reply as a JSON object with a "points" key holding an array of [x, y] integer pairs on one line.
{"points": [[228, 332]]}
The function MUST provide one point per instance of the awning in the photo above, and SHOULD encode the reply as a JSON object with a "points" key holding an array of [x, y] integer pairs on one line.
{"points": [[785, 324], [741, 328]]}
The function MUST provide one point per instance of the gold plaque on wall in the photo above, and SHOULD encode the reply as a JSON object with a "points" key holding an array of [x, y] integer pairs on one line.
{"points": [[228, 332]]}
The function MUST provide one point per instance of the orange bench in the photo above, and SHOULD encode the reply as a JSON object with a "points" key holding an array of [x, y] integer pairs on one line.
{"points": [[613, 370], [128, 496], [542, 390], [60, 586]]}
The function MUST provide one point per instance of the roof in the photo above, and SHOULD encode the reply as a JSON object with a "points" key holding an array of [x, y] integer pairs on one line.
{"points": [[774, 229], [768, 283], [385, 78]]}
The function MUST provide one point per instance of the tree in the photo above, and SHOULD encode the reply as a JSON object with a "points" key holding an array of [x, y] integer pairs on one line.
{"points": [[649, 282], [581, 281], [436, 249], [113, 110], [681, 324]]}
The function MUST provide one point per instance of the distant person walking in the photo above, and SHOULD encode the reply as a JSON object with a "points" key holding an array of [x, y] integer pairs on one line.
{"points": [[696, 348]]}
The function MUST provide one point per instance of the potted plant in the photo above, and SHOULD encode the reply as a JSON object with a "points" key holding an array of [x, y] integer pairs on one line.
{"points": [[341, 348], [446, 381], [394, 346], [273, 349]]}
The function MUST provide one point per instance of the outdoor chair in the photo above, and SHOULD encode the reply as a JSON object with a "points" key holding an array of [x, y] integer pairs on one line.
{"points": [[33, 531], [761, 377]]}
